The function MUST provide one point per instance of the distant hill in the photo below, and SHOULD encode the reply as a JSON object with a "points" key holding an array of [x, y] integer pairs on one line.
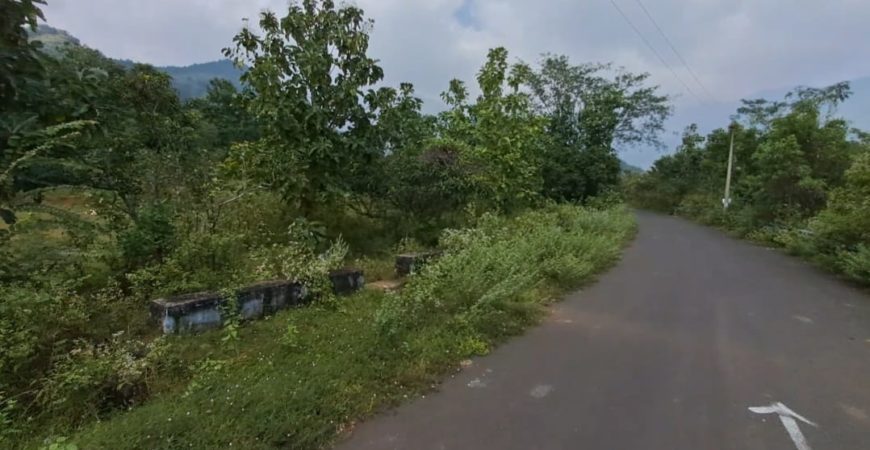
{"points": [[626, 167], [190, 81], [53, 39]]}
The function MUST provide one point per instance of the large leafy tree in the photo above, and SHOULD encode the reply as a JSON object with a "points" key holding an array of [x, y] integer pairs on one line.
{"points": [[224, 107], [591, 108], [20, 62], [502, 136], [24, 134], [311, 77], [803, 152]]}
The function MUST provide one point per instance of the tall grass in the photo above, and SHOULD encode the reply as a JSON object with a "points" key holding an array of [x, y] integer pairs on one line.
{"points": [[302, 377], [492, 276]]}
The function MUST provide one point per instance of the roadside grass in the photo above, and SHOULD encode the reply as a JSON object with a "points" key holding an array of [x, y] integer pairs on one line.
{"points": [[303, 377], [377, 268]]}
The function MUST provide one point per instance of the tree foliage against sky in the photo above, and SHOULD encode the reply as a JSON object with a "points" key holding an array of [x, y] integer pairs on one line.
{"points": [[796, 167], [589, 113], [113, 190]]}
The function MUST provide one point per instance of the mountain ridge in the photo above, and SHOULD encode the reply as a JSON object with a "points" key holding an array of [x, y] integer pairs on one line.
{"points": [[189, 81]]}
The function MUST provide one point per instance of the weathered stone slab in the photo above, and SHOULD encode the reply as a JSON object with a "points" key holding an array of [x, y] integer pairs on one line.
{"points": [[408, 263], [347, 280], [204, 310], [267, 297]]}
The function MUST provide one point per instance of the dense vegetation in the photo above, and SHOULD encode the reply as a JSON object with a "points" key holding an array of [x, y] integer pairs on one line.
{"points": [[801, 179], [298, 379], [114, 191]]}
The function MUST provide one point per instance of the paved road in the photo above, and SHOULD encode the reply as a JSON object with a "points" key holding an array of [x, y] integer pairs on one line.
{"points": [[666, 351]]}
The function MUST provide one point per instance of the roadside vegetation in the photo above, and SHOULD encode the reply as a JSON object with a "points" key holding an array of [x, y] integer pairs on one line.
{"points": [[801, 179], [114, 192], [300, 378]]}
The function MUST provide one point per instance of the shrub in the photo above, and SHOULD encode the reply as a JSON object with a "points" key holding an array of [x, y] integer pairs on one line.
{"points": [[298, 260], [846, 220], [703, 208], [7, 425], [150, 239], [487, 272], [93, 379], [224, 260], [856, 264]]}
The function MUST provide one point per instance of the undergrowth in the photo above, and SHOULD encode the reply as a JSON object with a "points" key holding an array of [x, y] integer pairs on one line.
{"points": [[302, 377]]}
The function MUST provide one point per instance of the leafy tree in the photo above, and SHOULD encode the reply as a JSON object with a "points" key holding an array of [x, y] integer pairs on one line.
{"points": [[760, 113], [429, 188], [799, 179], [20, 63], [308, 71], [501, 133], [224, 107], [846, 220], [30, 128], [400, 131], [589, 112], [784, 185]]}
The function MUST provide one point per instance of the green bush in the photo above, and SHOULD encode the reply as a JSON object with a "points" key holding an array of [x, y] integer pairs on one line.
{"points": [[8, 429], [92, 379], [487, 271], [150, 239], [200, 262], [846, 220], [59, 356], [856, 263], [703, 208]]}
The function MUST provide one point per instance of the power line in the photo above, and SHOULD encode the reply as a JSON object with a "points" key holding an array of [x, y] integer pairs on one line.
{"points": [[674, 49], [652, 49]]}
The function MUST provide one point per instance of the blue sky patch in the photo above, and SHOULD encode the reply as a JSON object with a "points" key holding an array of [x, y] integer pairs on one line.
{"points": [[466, 15]]}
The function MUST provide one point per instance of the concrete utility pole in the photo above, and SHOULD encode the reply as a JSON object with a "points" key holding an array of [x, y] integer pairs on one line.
{"points": [[726, 201]]}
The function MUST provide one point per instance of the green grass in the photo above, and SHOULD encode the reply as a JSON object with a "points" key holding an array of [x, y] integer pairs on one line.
{"points": [[377, 268], [266, 394], [302, 377]]}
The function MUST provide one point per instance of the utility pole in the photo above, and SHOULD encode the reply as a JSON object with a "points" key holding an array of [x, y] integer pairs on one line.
{"points": [[727, 200]]}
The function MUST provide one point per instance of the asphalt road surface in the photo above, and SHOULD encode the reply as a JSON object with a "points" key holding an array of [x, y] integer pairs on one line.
{"points": [[666, 351]]}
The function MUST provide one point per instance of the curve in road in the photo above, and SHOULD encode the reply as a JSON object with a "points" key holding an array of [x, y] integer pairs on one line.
{"points": [[667, 351]]}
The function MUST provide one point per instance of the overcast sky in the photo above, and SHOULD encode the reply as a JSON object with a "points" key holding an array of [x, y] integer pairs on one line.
{"points": [[735, 47]]}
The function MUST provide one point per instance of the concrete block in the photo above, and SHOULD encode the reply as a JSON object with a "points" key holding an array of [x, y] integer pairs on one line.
{"points": [[347, 280], [203, 310], [408, 263]]}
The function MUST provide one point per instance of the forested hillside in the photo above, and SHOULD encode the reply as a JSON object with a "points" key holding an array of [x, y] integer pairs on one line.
{"points": [[114, 192], [190, 81], [801, 179], [193, 81]]}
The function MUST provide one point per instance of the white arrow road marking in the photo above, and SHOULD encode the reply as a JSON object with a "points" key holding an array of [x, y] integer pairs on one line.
{"points": [[787, 417]]}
